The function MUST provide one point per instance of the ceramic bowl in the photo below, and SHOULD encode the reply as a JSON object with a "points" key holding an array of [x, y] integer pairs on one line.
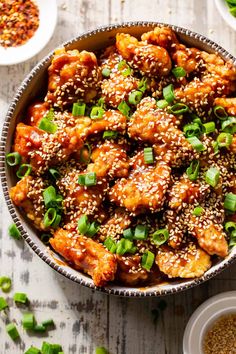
{"points": [[223, 9], [35, 85]]}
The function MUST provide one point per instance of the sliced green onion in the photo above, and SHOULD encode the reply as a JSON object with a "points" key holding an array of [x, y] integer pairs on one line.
{"points": [[220, 112], [147, 260], [162, 104], [48, 348], [110, 244], [124, 108], [124, 246], [128, 234], [14, 232], [81, 180], [5, 284], [215, 147], [48, 322], [48, 126], [193, 170], [229, 125], [85, 154], [39, 328], [57, 221], [212, 176], [209, 127], [3, 304], [140, 232], [192, 129], [50, 217], [148, 155], [24, 170], [49, 197], [28, 321], [20, 297], [101, 350], [109, 134], [230, 202], [179, 108], [33, 350], [135, 97], [97, 113], [90, 179], [230, 226], [179, 72], [160, 236], [50, 114], [122, 64], [78, 109], [12, 331], [125, 68], [101, 102], [83, 224], [93, 229], [224, 140], [168, 93], [196, 143], [54, 173], [13, 159], [106, 72], [232, 241], [142, 86], [197, 211]]}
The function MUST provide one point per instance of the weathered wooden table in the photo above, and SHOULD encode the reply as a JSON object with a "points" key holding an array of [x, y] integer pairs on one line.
{"points": [[86, 319]]}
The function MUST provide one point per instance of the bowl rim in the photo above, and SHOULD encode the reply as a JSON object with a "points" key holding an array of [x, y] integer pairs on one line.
{"points": [[113, 289]]}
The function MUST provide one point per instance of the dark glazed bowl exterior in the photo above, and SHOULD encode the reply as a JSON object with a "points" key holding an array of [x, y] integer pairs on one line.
{"points": [[34, 85]]}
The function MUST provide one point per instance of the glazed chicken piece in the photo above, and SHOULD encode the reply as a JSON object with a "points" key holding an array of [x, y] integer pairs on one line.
{"points": [[129, 270], [162, 36], [217, 66], [143, 190], [149, 59], [109, 159], [85, 254], [175, 224], [42, 149], [187, 262], [229, 104], [36, 112], [73, 75], [27, 194], [118, 221]]}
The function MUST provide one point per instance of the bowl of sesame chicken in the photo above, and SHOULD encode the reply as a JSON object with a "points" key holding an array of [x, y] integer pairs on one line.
{"points": [[118, 159]]}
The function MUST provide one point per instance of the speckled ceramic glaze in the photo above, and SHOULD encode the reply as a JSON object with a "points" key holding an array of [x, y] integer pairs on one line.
{"points": [[35, 86]]}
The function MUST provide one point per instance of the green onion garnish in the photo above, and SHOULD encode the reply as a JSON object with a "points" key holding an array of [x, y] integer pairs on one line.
{"points": [[124, 246], [168, 93], [193, 170], [78, 109], [28, 321], [230, 202], [215, 147], [135, 97], [230, 226], [192, 129], [229, 125], [232, 241], [109, 134], [147, 260], [142, 86], [220, 112], [54, 173], [106, 72], [196, 143], [148, 155], [5, 284], [212, 176], [33, 350], [162, 104], [3, 304], [179, 72], [14, 232], [209, 127], [88, 179], [224, 140], [83, 224], [49, 322], [178, 108], [50, 196], [125, 68], [85, 154], [13, 159], [197, 211], [160, 236], [101, 350], [50, 114], [81, 180], [97, 113], [140, 232], [93, 229], [110, 244], [47, 126], [39, 328], [48, 348], [24, 170], [50, 217], [124, 108], [57, 221], [20, 297], [12, 331], [128, 234]]}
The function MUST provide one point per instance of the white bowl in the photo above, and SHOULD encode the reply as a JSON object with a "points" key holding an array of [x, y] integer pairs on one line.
{"points": [[203, 318], [224, 11], [47, 24]]}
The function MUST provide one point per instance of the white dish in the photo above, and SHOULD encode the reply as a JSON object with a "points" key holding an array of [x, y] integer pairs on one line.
{"points": [[47, 24], [203, 318], [224, 11]]}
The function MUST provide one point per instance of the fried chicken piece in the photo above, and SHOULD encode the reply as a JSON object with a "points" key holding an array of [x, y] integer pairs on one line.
{"points": [[129, 270], [109, 159], [210, 236], [149, 59], [86, 254], [188, 262], [144, 189], [73, 75], [118, 221], [217, 66], [163, 36], [27, 194], [175, 224], [36, 112]]}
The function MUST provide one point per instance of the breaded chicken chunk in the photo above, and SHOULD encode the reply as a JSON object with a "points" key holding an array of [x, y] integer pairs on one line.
{"points": [[130, 272], [36, 112], [118, 221], [85, 254]]}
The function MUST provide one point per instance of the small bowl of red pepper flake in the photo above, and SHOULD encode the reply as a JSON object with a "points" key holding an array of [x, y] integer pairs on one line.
{"points": [[24, 28]]}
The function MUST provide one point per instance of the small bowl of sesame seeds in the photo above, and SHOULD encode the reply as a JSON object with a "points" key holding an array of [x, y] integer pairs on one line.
{"points": [[212, 327], [26, 26]]}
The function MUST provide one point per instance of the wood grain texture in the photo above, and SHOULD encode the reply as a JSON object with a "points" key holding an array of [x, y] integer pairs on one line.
{"points": [[84, 318]]}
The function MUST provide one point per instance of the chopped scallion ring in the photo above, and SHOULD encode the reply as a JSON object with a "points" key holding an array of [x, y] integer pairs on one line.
{"points": [[3, 304], [81, 180], [13, 159], [215, 147], [93, 229], [110, 244], [142, 86], [196, 143], [193, 170], [50, 217], [50, 114], [140, 232], [178, 108], [14, 232], [48, 322], [148, 155], [135, 97], [12, 331], [232, 241], [78, 109], [212, 176], [209, 127], [48, 348], [197, 211], [124, 68], [28, 321], [39, 328], [230, 202], [179, 72], [33, 350], [101, 350], [192, 129], [85, 154], [106, 72], [83, 224], [54, 173], [20, 297], [49, 197], [97, 113], [5, 284], [147, 260], [168, 93], [230, 226], [220, 112], [48, 126], [124, 246], [57, 221], [109, 134], [124, 108], [128, 234], [24, 170], [160, 236], [229, 125], [162, 104], [224, 140]]}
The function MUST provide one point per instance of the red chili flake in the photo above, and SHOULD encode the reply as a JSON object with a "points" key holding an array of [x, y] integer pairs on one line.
{"points": [[18, 21]]}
